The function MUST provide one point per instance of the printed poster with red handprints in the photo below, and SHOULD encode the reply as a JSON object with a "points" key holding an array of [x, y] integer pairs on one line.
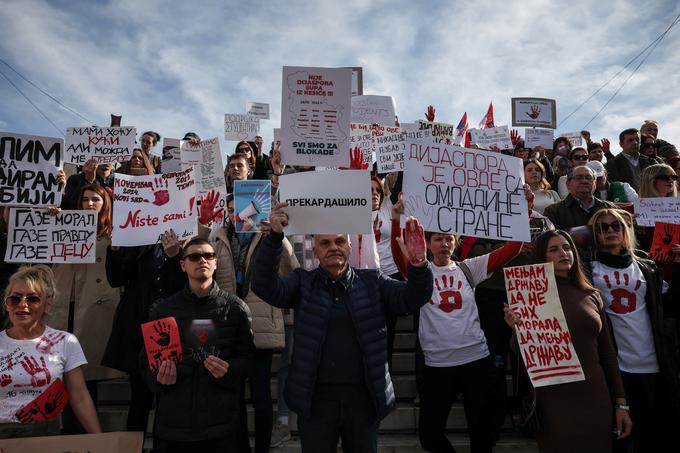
{"points": [[534, 112], [542, 332], [147, 206], [666, 235], [46, 406], [162, 341]]}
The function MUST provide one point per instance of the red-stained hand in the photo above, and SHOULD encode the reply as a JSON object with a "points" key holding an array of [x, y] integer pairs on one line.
{"points": [[414, 245], [356, 160], [605, 145], [514, 136], [429, 114], [206, 211]]}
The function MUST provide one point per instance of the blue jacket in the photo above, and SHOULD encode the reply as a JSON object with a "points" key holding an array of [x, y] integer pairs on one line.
{"points": [[369, 296]]}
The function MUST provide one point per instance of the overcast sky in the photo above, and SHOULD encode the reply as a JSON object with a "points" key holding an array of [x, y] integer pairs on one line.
{"points": [[179, 66]]}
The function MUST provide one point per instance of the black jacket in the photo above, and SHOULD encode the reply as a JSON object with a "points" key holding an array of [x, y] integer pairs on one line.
{"points": [[369, 296], [619, 169], [568, 213], [198, 406]]}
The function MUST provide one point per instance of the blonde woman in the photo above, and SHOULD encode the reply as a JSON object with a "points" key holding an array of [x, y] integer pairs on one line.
{"points": [[658, 180]]}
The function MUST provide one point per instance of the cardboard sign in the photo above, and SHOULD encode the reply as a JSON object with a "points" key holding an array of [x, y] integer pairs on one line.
{"points": [[258, 110], [252, 204], [441, 132], [162, 341], [412, 131], [146, 206], [206, 158], [648, 211], [361, 137], [666, 235], [390, 146], [47, 406], [123, 442], [542, 332], [29, 166], [239, 127], [538, 137], [327, 202], [106, 145], [371, 109], [534, 112], [574, 138], [492, 136], [35, 236], [471, 192], [315, 116], [172, 159]]}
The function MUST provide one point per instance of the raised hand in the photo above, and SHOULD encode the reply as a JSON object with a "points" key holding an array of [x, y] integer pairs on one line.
{"points": [[514, 136], [206, 211], [586, 136], [278, 217], [275, 160], [429, 114], [61, 179], [170, 243], [356, 160], [605, 145], [414, 245], [89, 170]]}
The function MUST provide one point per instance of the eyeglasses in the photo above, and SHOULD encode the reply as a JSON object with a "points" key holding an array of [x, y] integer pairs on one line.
{"points": [[580, 157], [196, 257], [14, 300], [604, 227], [667, 177]]}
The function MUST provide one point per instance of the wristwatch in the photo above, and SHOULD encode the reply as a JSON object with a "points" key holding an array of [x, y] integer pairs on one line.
{"points": [[623, 407]]}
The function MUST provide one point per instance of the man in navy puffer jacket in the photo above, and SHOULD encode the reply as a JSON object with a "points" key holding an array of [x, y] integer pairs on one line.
{"points": [[338, 382]]}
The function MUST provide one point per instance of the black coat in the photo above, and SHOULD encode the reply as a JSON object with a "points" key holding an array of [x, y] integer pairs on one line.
{"points": [[619, 169], [198, 406]]}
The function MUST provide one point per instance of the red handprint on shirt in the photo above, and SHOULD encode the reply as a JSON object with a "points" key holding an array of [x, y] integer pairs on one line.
{"points": [[40, 375], [623, 300], [450, 298], [5, 380], [377, 224], [47, 342]]}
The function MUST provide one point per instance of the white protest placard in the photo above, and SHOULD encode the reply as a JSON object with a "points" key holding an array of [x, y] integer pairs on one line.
{"points": [[574, 138], [441, 132], [239, 127], [106, 145], [412, 131], [542, 332], [492, 136], [360, 136], [315, 116], [357, 80], [648, 211], [538, 137], [29, 165], [372, 109], [258, 109], [463, 191], [390, 145], [206, 158], [172, 158], [534, 112], [277, 135], [146, 206], [327, 202], [35, 236]]}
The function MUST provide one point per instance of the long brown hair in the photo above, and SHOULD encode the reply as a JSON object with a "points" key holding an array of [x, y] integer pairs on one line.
{"points": [[576, 276], [126, 167], [104, 222]]}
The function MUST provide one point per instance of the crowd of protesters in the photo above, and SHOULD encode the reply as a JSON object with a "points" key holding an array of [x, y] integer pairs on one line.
{"points": [[332, 318]]}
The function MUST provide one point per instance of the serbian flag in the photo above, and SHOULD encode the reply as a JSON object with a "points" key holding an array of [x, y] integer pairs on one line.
{"points": [[487, 121], [461, 131]]}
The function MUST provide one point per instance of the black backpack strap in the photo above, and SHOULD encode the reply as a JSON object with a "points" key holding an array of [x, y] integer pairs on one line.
{"points": [[468, 274]]}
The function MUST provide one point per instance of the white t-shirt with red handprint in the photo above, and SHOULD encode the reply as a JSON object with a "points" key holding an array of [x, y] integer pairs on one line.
{"points": [[28, 367], [382, 225], [623, 292], [449, 331]]}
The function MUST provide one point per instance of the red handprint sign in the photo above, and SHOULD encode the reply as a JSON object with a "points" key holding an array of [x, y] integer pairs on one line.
{"points": [[46, 406], [623, 300], [161, 341], [449, 293], [535, 112]]}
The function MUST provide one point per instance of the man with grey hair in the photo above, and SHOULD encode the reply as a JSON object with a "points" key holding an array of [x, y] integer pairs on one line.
{"points": [[577, 207]]}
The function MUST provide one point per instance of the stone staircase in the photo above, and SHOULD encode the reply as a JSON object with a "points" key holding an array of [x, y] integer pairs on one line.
{"points": [[397, 431]]}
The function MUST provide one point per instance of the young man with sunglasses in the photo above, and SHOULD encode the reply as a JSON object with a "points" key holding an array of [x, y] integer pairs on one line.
{"points": [[198, 397]]}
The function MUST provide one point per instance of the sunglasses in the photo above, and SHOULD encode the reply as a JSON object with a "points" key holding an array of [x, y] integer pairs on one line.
{"points": [[31, 299], [604, 227], [196, 257], [667, 177], [581, 158]]}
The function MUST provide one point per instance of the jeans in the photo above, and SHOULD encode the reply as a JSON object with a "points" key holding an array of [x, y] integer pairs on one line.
{"points": [[340, 412], [282, 375]]}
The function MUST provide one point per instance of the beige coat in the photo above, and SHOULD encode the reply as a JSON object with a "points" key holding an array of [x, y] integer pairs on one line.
{"points": [[95, 307], [267, 321]]}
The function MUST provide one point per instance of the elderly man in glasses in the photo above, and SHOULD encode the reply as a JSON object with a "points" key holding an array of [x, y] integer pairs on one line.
{"points": [[198, 397]]}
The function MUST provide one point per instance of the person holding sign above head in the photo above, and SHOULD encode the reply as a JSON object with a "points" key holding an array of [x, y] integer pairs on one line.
{"points": [[631, 286], [581, 416], [92, 173], [41, 367], [339, 383], [198, 397]]}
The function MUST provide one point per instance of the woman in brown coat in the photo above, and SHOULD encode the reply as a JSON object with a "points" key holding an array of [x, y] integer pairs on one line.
{"points": [[583, 416]]}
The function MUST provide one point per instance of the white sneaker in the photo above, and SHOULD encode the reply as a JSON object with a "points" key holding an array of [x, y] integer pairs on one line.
{"points": [[280, 434]]}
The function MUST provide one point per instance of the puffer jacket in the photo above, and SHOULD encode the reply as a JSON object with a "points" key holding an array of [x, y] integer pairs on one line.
{"points": [[369, 297], [267, 321], [198, 406]]}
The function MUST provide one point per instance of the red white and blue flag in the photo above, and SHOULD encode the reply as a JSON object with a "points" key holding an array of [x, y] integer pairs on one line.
{"points": [[487, 121], [462, 132]]}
